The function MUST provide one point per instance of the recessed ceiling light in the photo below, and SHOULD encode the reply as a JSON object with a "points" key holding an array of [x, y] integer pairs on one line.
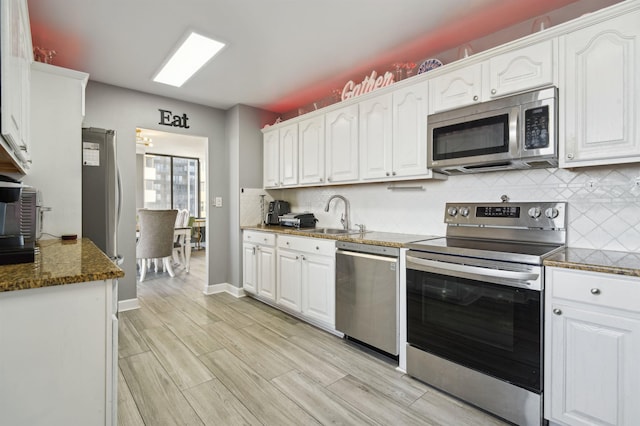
{"points": [[196, 51]]}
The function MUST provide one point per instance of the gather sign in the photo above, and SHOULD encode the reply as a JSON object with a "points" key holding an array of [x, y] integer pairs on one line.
{"points": [[368, 84]]}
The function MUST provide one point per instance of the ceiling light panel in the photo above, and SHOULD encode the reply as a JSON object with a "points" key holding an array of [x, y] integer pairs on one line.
{"points": [[196, 51]]}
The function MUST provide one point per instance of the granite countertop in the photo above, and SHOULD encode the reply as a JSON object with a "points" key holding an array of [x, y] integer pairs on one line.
{"points": [[387, 239], [610, 262], [59, 262]]}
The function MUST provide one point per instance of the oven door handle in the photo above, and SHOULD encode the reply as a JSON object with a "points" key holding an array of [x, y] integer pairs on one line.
{"points": [[445, 268]]}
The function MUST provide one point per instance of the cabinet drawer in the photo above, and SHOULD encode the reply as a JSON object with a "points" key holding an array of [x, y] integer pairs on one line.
{"points": [[265, 238], [614, 291], [308, 245]]}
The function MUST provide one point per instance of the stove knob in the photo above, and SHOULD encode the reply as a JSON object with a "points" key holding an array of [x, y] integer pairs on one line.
{"points": [[464, 211], [452, 211], [535, 212], [551, 212]]}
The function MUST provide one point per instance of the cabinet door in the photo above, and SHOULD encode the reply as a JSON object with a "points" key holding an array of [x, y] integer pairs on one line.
{"points": [[593, 370], [271, 166], [17, 55], [311, 154], [318, 288], [266, 272], [376, 137], [455, 89], [600, 93], [249, 268], [289, 285], [342, 144], [520, 70], [289, 155], [410, 131]]}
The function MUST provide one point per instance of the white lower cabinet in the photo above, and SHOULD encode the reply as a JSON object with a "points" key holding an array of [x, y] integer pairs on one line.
{"points": [[289, 287], [306, 277], [59, 355], [592, 348], [318, 288], [259, 264]]}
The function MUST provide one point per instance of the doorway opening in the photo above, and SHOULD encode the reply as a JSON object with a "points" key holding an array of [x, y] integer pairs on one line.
{"points": [[171, 173]]}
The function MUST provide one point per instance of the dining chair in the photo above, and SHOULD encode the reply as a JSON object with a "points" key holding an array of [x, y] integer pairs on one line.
{"points": [[156, 239], [183, 221]]}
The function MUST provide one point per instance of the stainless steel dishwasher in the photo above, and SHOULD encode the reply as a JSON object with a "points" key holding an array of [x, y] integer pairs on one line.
{"points": [[367, 294]]}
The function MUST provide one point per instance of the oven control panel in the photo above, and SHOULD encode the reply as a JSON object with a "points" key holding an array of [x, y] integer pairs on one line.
{"points": [[539, 215]]}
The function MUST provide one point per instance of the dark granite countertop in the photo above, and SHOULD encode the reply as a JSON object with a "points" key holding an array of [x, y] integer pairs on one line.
{"points": [[59, 262], [611, 262], [387, 239]]}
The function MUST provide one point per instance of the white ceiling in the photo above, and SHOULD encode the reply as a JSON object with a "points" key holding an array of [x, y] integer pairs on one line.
{"points": [[280, 54]]}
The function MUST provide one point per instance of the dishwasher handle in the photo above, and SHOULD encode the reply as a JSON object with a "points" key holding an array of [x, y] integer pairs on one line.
{"points": [[366, 256]]}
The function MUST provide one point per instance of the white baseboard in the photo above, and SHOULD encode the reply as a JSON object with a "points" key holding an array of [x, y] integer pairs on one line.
{"points": [[128, 305], [224, 288]]}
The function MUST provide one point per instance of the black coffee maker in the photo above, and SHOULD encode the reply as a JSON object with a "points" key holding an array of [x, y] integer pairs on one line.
{"points": [[13, 248], [277, 208]]}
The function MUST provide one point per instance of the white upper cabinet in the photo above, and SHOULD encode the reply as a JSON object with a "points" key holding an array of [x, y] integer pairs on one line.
{"points": [[393, 138], [289, 155], [410, 131], [600, 93], [455, 89], [522, 69], [271, 159], [376, 143], [17, 55], [341, 140], [311, 151]]}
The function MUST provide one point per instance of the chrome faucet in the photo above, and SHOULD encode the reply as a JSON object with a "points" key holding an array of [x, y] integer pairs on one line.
{"points": [[344, 219]]}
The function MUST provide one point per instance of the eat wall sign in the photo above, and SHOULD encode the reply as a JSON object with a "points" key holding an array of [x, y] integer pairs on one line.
{"points": [[167, 118]]}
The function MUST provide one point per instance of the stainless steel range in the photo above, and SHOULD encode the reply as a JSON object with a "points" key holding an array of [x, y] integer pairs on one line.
{"points": [[475, 305]]}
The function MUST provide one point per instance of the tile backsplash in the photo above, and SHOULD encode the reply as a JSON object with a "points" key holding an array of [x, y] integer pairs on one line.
{"points": [[603, 202]]}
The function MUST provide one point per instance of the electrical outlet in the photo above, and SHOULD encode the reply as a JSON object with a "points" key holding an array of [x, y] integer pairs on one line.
{"points": [[218, 202]]}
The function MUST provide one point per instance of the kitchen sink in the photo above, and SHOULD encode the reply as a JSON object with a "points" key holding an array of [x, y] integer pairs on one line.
{"points": [[333, 231]]}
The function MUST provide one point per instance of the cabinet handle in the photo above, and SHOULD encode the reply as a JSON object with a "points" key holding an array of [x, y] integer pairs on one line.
{"points": [[321, 180], [595, 291], [254, 250], [317, 248], [329, 179], [570, 156], [493, 91], [387, 173], [475, 98], [304, 258], [297, 257], [557, 311], [287, 243], [393, 173]]}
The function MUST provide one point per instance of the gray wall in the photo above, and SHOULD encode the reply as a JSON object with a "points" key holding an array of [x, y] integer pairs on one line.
{"points": [[244, 139], [123, 110]]}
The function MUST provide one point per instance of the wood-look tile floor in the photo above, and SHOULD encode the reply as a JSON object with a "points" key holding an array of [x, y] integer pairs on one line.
{"points": [[190, 359]]}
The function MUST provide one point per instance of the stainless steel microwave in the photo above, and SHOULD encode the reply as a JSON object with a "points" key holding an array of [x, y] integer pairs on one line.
{"points": [[515, 132]]}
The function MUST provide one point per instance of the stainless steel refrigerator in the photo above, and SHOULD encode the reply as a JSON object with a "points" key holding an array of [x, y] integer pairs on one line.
{"points": [[101, 190]]}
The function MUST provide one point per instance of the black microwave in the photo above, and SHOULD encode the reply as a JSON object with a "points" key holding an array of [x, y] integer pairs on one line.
{"points": [[515, 132]]}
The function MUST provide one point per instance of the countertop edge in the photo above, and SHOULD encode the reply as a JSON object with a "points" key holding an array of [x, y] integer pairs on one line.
{"points": [[59, 263], [592, 260], [386, 239]]}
